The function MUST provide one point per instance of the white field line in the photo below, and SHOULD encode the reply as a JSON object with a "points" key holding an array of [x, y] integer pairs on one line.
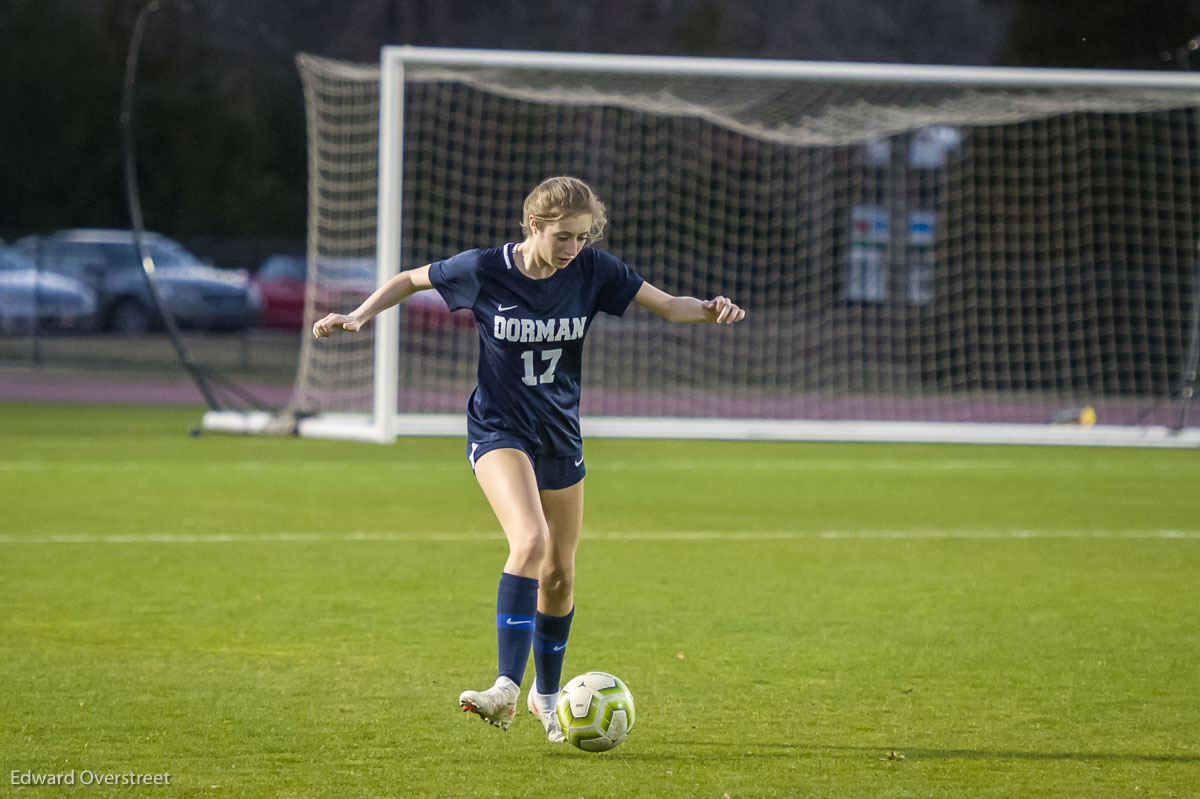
{"points": [[682, 535], [915, 467], [241, 466]]}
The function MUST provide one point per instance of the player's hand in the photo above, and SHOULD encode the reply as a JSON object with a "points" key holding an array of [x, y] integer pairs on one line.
{"points": [[722, 311], [335, 321]]}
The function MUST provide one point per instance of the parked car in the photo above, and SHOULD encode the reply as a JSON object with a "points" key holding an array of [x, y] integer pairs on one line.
{"points": [[199, 295], [56, 303], [426, 311], [281, 280]]}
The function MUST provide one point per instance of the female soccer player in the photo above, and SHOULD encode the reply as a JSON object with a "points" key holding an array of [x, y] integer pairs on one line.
{"points": [[533, 301]]}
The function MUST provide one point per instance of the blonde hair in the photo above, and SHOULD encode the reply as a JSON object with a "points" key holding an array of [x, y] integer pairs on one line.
{"points": [[562, 197]]}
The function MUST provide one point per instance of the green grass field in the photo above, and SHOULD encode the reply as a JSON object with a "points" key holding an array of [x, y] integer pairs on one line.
{"points": [[284, 618]]}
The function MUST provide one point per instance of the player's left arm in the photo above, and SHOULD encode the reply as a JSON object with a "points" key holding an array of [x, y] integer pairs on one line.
{"points": [[719, 310]]}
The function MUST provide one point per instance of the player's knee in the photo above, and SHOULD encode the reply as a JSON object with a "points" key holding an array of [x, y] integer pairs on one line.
{"points": [[556, 580], [530, 548]]}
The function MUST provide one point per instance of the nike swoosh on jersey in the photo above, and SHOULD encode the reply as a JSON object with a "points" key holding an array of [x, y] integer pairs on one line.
{"points": [[579, 461], [505, 307]]}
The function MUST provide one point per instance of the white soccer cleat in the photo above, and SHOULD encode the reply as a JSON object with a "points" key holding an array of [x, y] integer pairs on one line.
{"points": [[497, 705], [542, 706]]}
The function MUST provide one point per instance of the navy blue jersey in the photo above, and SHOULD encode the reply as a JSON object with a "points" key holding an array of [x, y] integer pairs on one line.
{"points": [[531, 337]]}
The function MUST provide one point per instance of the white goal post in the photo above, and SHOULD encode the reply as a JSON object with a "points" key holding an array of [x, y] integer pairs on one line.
{"points": [[926, 253]]}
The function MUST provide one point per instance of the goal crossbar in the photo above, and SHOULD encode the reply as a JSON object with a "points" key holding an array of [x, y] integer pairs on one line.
{"points": [[832, 71]]}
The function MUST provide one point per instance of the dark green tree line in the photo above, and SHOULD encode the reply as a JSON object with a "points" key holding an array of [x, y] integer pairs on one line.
{"points": [[221, 139], [220, 146]]}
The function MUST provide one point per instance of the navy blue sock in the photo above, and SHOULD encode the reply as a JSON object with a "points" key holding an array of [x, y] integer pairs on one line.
{"points": [[549, 648], [516, 604]]}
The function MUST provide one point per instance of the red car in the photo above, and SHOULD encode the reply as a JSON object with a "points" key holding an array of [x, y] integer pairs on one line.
{"points": [[281, 281]]}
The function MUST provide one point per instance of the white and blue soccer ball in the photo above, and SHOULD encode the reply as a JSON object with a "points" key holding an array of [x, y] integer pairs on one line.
{"points": [[595, 711]]}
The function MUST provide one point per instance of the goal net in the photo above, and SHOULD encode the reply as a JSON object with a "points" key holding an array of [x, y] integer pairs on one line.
{"points": [[924, 253]]}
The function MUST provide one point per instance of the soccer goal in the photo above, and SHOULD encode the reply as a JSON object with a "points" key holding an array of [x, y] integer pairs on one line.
{"points": [[925, 253]]}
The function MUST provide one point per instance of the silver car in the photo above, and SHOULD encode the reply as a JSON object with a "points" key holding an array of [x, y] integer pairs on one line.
{"points": [[200, 296], [29, 296]]}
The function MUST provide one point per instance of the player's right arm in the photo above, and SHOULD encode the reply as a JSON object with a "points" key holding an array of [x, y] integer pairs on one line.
{"points": [[393, 292]]}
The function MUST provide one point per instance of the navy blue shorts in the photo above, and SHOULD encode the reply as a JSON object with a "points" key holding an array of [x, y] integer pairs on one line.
{"points": [[552, 472]]}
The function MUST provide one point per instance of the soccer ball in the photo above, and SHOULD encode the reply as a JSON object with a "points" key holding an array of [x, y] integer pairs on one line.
{"points": [[595, 711]]}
